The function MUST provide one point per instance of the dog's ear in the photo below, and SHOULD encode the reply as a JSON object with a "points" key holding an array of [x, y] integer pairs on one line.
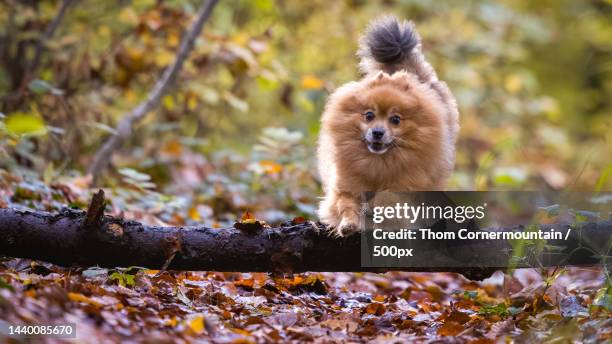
{"points": [[350, 103], [402, 81], [377, 79]]}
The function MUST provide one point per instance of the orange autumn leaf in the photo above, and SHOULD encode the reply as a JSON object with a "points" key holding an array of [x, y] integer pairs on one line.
{"points": [[248, 217], [311, 82], [298, 220], [78, 297], [375, 308], [173, 148], [450, 328], [194, 214], [249, 223], [241, 331], [246, 283], [172, 322], [379, 298], [271, 167]]}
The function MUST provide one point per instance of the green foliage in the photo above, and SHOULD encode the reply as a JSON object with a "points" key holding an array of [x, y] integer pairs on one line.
{"points": [[5, 285], [24, 124], [123, 279], [603, 298], [500, 309]]}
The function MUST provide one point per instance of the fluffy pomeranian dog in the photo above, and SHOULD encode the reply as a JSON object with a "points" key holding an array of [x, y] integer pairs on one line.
{"points": [[393, 130]]}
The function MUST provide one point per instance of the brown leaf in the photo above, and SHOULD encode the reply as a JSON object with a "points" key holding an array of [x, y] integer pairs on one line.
{"points": [[340, 324], [458, 317], [298, 220], [375, 308], [246, 283], [284, 319], [512, 285], [367, 331], [115, 229], [450, 328], [501, 328], [379, 298]]}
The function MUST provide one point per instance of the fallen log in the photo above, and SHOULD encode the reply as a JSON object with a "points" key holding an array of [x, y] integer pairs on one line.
{"points": [[78, 238]]}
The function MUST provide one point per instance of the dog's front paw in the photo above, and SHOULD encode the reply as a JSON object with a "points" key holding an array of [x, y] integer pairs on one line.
{"points": [[347, 226]]}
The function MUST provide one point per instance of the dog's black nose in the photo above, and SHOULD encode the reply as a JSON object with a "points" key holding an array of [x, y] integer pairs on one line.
{"points": [[378, 133]]}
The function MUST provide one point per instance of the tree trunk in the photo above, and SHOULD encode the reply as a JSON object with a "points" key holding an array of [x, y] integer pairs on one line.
{"points": [[77, 238]]}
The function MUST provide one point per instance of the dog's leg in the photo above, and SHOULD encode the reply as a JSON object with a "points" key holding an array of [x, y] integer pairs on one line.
{"points": [[340, 211], [349, 210], [328, 210]]}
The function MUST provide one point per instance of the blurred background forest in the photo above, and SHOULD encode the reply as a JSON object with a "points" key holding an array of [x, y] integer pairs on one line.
{"points": [[533, 80]]}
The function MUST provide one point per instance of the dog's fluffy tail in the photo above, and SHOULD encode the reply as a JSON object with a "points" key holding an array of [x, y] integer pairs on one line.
{"points": [[390, 45]]}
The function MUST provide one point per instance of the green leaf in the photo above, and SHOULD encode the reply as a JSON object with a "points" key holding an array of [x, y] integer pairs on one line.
{"points": [[20, 123], [124, 279], [5, 285], [603, 298], [512, 176], [41, 87], [500, 309]]}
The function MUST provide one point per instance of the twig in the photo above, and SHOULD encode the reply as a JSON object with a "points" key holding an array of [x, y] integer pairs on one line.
{"points": [[124, 127], [95, 211]]}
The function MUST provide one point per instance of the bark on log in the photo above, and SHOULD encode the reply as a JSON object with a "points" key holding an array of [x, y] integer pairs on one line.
{"points": [[67, 238]]}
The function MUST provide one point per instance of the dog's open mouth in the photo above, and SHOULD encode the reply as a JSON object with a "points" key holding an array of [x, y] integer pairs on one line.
{"points": [[378, 147]]}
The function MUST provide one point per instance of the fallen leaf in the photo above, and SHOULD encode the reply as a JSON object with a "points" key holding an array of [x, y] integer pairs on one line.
{"points": [[298, 220], [571, 307], [246, 283], [78, 297], [458, 317], [375, 308], [196, 324], [450, 328]]}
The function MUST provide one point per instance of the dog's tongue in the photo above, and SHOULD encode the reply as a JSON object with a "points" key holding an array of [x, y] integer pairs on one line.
{"points": [[377, 146]]}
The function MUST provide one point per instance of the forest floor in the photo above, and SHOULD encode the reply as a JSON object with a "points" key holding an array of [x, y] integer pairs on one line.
{"points": [[528, 305]]}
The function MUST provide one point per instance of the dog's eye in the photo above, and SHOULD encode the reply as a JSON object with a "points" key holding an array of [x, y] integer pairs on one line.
{"points": [[369, 116], [394, 119]]}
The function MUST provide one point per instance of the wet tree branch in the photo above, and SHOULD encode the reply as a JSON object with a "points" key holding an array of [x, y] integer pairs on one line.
{"points": [[77, 238]]}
